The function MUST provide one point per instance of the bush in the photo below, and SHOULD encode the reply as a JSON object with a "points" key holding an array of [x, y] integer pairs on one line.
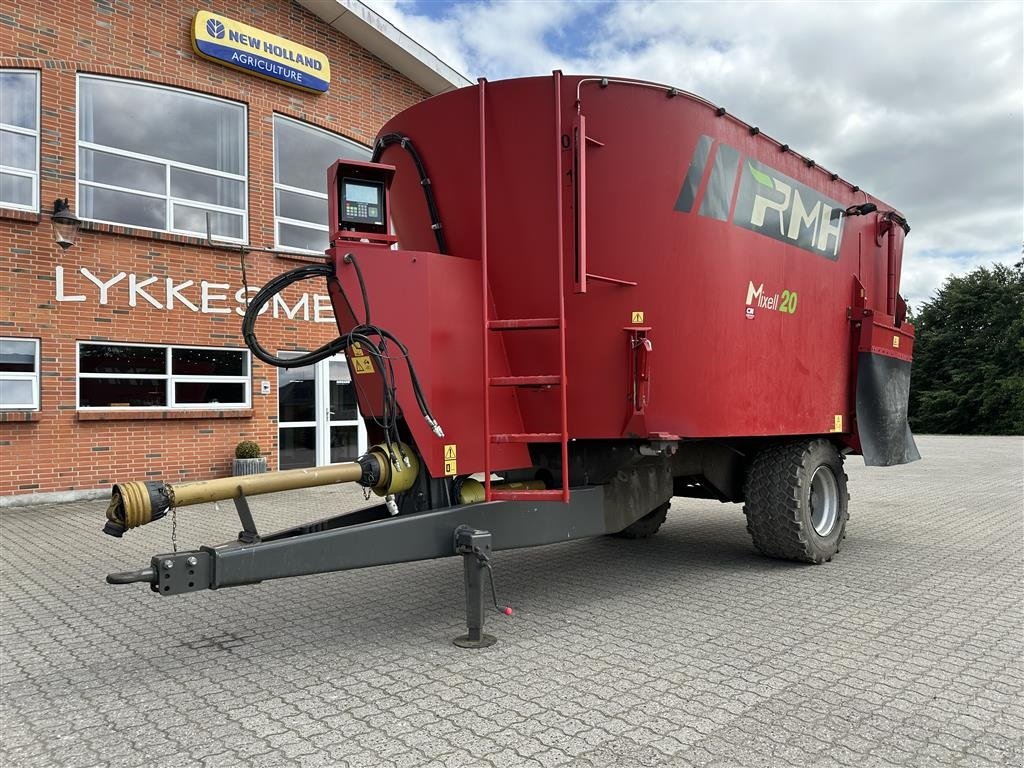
{"points": [[247, 449]]}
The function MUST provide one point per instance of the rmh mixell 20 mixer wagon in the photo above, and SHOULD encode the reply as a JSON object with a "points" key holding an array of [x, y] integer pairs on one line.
{"points": [[563, 301]]}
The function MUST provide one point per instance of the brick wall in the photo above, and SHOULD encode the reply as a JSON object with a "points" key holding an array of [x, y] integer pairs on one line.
{"points": [[59, 448]]}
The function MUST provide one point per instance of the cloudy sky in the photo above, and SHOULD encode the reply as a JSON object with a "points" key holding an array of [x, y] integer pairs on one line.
{"points": [[920, 103]]}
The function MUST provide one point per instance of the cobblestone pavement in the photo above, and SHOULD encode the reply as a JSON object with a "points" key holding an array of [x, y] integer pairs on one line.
{"points": [[688, 649]]}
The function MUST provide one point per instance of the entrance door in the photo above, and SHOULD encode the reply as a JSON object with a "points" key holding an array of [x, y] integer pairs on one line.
{"points": [[318, 422], [345, 434]]}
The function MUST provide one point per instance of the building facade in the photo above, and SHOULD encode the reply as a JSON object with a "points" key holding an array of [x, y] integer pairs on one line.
{"points": [[192, 141]]}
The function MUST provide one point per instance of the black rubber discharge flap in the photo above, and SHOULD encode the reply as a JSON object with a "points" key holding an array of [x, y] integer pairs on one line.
{"points": [[883, 393]]}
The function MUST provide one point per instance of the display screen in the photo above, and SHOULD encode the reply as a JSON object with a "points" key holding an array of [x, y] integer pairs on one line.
{"points": [[362, 203], [362, 193]]}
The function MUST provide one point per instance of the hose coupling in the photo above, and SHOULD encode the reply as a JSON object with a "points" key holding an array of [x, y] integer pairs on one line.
{"points": [[434, 426]]}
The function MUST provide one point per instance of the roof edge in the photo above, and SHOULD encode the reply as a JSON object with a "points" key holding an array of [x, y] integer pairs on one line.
{"points": [[387, 42]]}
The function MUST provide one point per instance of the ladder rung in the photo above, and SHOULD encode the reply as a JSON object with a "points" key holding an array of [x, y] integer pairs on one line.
{"points": [[523, 324], [527, 437], [525, 495], [526, 381]]}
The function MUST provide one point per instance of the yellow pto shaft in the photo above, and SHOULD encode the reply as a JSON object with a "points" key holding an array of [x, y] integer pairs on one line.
{"points": [[139, 502]]}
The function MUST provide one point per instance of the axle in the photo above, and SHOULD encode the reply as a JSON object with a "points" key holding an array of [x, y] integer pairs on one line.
{"points": [[138, 502]]}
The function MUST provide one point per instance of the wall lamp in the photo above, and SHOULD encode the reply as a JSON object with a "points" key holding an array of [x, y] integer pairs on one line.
{"points": [[65, 224]]}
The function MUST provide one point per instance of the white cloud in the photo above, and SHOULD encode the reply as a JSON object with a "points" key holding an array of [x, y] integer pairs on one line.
{"points": [[930, 270], [920, 103]]}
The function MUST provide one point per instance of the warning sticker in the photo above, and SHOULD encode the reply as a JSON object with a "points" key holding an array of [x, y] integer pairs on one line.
{"points": [[637, 317], [838, 427], [357, 349], [362, 364], [895, 342], [451, 453], [450, 467]]}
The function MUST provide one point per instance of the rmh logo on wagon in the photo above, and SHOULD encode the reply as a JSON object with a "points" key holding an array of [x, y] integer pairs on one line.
{"points": [[784, 209], [767, 202]]}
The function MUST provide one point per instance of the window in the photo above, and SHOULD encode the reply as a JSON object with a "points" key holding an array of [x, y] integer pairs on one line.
{"points": [[159, 158], [150, 376], [302, 155], [19, 374], [19, 140]]}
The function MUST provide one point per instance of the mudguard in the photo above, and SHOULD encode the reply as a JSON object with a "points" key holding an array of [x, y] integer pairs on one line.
{"points": [[883, 394]]}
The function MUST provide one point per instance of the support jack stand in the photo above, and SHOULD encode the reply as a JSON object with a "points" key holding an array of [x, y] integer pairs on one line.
{"points": [[248, 534], [475, 548]]}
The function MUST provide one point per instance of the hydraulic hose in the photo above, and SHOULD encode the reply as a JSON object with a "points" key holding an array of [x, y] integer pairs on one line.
{"points": [[264, 296], [390, 139], [363, 334]]}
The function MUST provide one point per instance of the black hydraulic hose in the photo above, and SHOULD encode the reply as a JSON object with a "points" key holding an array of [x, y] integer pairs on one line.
{"points": [[264, 296], [362, 333], [350, 258], [367, 327], [901, 222], [389, 139]]}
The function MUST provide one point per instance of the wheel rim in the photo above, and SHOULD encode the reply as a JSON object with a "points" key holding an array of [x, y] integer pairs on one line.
{"points": [[824, 501]]}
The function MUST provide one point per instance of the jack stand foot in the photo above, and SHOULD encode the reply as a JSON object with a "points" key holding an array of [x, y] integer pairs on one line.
{"points": [[482, 641], [475, 548]]}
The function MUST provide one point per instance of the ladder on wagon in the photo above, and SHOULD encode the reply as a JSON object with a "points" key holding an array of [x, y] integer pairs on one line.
{"points": [[555, 321]]}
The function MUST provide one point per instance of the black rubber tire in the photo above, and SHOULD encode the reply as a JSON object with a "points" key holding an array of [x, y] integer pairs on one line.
{"points": [[647, 525], [778, 509]]}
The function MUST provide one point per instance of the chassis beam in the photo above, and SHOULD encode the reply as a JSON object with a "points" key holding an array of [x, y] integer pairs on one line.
{"points": [[372, 537]]}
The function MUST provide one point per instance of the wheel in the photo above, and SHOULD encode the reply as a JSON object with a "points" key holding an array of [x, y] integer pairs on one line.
{"points": [[647, 525], [796, 501]]}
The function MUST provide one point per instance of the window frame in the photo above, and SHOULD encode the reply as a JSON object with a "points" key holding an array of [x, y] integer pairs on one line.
{"points": [[167, 376], [34, 377], [169, 165], [36, 134], [279, 220]]}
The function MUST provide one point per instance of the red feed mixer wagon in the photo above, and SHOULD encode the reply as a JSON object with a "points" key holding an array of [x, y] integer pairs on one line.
{"points": [[563, 301]]}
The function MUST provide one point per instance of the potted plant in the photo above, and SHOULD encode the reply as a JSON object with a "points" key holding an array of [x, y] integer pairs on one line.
{"points": [[248, 459]]}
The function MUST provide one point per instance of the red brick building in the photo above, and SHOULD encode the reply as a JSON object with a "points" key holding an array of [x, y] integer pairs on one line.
{"points": [[122, 356]]}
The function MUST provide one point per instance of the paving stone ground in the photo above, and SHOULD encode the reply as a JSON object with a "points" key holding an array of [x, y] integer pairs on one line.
{"points": [[688, 649]]}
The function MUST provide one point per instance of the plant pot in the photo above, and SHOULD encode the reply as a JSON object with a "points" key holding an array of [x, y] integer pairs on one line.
{"points": [[255, 466]]}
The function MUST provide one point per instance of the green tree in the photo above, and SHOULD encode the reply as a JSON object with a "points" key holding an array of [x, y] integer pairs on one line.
{"points": [[968, 374]]}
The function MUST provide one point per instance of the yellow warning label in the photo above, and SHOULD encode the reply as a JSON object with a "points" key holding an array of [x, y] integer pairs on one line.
{"points": [[357, 349], [362, 364], [449, 467], [895, 342], [838, 423], [451, 452], [637, 317]]}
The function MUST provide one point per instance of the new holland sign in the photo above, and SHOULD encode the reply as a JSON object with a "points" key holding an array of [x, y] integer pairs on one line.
{"points": [[238, 45]]}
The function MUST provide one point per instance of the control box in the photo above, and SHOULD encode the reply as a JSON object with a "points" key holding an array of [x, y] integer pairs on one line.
{"points": [[357, 199]]}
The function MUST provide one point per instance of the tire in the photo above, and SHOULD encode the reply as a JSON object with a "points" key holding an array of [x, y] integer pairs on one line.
{"points": [[797, 501], [647, 525]]}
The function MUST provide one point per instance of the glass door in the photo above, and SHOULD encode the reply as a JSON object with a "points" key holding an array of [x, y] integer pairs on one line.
{"points": [[296, 416], [318, 421], [347, 435]]}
